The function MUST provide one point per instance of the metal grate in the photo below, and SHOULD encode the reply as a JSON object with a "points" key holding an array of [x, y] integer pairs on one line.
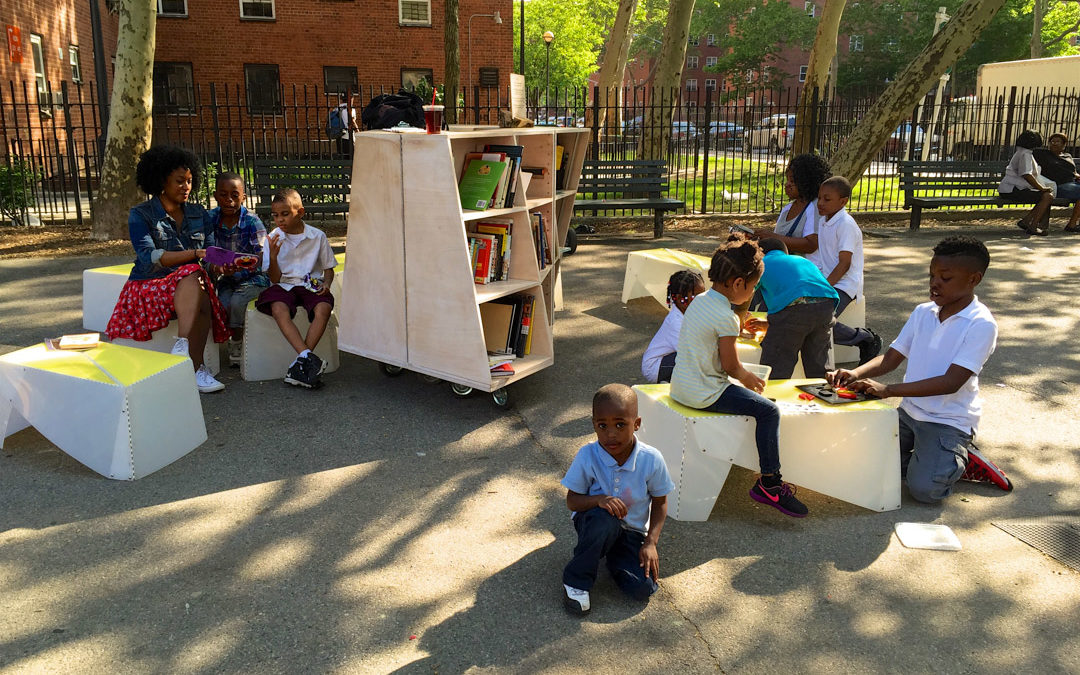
{"points": [[1056, 536]]}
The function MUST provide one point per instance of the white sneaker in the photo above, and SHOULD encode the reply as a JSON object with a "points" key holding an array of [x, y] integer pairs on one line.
{"points": [[236, 352], [576, 600], [206, 382], [180, 347]]}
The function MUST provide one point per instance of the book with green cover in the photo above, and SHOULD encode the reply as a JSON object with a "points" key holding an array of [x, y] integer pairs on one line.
{"points": [[478, 183]]}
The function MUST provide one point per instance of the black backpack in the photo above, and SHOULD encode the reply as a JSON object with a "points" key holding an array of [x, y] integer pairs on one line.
{"points": [[389, 110]]}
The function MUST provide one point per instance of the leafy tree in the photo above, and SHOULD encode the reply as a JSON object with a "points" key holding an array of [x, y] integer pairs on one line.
{"points": [[451, 57], [752, 34], [16, 195], [580, 27]]}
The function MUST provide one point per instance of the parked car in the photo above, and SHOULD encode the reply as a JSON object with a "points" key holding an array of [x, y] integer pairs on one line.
{"points": [[774, 133], [896, 145], [725, 135], [683, 131]]}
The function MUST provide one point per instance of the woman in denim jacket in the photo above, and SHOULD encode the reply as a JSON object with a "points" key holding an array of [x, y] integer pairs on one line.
{"points": [[170, 236]]}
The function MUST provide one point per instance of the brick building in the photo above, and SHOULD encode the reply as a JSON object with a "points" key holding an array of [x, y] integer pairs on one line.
{"points": [[333, 44]]}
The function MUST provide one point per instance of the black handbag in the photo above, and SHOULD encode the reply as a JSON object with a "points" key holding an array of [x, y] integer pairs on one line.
{"points": [[390, 110]]}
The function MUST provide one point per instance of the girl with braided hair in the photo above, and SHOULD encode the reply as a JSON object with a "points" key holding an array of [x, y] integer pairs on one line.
{"points": [[659, 358], [707, 358]]}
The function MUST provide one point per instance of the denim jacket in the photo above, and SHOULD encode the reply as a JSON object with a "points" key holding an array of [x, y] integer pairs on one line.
{"points": [[153, 232], [243, 238]]}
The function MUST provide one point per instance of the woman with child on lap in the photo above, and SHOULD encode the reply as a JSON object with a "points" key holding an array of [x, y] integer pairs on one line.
{"points": [[170, 236]]}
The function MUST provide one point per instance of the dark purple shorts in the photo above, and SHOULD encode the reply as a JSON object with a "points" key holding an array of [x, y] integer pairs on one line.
{"points": [[293, 298]]}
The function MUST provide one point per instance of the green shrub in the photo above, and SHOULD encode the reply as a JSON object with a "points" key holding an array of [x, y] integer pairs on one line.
{"points": [[16, 180]]}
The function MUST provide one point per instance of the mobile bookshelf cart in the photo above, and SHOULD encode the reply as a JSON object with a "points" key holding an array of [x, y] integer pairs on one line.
{"points": [[409, 299]]}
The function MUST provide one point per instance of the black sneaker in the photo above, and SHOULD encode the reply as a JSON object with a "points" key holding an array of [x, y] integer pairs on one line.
{"points": [[781, 497], [310, 367], [870, 347], [297, 374], [315, 365]]}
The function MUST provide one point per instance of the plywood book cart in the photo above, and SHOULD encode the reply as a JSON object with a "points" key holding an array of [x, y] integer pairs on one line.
{"points": [[409, 300]]}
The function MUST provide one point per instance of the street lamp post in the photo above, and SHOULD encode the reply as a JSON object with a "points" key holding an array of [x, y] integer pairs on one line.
{"points": [[548, 37], [498, 20]]}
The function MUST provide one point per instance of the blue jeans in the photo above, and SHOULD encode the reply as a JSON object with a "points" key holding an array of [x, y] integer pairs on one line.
{"points": [[736, 400], [601, 535], [1068, 191]]}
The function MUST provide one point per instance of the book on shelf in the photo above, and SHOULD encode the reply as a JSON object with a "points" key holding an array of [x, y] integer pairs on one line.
{"points": [[480, 179], [501, 232], [560, 175], [497, 319], [524, 343], [540, 239], [483, 257], [513, 153], [503, 370]]}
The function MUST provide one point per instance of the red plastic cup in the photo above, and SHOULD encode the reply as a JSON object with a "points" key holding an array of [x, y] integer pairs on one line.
{"points": [[433, 115]]}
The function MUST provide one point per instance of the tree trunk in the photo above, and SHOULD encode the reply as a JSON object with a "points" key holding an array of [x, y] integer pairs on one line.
{"points": [[452, 66], [817, 73], [911, 86], [667, 79], [616, 51], [1037, 14], [130, 121]]}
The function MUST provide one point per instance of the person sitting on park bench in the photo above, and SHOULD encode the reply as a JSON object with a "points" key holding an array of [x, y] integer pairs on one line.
{"points": [[300, 263], [659, 358], [617, 488], [1023, 182], [946, 342], [1060, 167]]}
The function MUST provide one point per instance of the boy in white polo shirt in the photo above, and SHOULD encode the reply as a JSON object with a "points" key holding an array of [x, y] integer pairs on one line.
{"points": [[300, 264], [617, 488], [946, 342], [839, 256]]}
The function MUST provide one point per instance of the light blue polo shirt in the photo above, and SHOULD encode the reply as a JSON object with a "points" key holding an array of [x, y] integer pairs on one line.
{"points": [[788, 277], [642, 477]]}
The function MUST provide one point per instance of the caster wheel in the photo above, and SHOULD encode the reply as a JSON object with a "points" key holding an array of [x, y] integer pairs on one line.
{"points": [[430, 379], [571, 242], [389, 370], [461, 390], [501, 397]]}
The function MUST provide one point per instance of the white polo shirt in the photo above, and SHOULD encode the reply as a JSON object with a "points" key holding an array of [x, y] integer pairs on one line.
{"points": [[836, 234], [967, 339], [663, 343], [302, 256], [699, 378]]}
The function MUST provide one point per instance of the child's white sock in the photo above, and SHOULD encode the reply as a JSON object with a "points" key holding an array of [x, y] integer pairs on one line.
{"points": [[303, 354]]}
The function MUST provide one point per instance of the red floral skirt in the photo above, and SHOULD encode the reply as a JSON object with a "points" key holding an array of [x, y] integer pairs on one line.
{"points": [[146, 306]]}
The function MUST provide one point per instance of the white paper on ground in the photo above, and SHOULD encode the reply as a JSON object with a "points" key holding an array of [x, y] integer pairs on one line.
{"points": [[928, 536]]}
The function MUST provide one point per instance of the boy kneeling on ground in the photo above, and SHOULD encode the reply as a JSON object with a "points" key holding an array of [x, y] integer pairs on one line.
{"points": [[617, 488], [946, 342]]}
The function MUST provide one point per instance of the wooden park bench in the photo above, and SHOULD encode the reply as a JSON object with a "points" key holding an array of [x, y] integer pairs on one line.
{"points": [[930, 185], [626, 184], [323, 184]]}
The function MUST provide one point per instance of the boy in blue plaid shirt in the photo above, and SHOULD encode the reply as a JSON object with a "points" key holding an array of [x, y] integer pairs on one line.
{"points": [[239, 230]]}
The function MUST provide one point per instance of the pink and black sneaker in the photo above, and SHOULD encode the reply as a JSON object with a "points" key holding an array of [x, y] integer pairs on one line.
{"points": [[780, 496]]}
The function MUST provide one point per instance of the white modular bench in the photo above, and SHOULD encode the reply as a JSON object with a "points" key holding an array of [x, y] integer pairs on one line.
{"points": [[104, 406], [850, 452], [101, 290]]}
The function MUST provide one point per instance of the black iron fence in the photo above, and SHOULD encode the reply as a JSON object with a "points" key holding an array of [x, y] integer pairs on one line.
{"points": [[727, 151]]}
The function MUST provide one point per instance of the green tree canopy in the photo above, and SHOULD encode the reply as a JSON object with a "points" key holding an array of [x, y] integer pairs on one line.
{"points": [[580, 27], [753, 33]]}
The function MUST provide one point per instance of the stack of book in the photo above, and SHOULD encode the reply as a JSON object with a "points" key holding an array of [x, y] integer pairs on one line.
{"points": [[489, 251], [508, 326], [489, 179]]}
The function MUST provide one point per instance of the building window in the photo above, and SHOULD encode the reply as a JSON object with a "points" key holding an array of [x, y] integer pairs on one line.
{"points": [[710, 39], [414, 12], [855, 43], [172, 7], [691, 85], [263, 88], [810, 9], [694, 40], [174, 88], [340, 79], [76, 67], [892, 46], [39, 71], [262, 10], [710, 61], [749, 74], [412, 77], [802, 73], [691, 61], [710, 84]]}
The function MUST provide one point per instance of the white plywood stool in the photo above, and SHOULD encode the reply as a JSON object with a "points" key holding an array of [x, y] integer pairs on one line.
{"points": [[854, 315], [266, 352], [122, 412], [850, 452], [648, 271]]}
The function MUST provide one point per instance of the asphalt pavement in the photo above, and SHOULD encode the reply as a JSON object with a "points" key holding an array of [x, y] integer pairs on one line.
{"points": [[384, 525]]}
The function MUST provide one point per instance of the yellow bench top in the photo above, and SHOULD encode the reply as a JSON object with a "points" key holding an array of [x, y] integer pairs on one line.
{"points": [[783, 391], [692, 260], [106, 363]]}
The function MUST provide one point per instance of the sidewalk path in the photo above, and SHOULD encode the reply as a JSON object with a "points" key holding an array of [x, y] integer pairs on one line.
{"points": [[383, 525]]}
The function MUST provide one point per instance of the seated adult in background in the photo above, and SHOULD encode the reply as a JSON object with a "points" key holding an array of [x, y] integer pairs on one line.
{"points": [[170, 235], [797, 224], [1060, 167], [1024, 183]]}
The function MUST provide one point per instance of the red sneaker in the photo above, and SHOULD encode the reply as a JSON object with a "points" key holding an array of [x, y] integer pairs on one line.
{"points": [[982, 470]]}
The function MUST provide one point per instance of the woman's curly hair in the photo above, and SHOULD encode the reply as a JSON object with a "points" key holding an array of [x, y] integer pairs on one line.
{"points": [[808, 171], [158, 162]]}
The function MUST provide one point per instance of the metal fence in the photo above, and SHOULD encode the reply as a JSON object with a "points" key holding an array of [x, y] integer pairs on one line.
{"points": [[727, 154]]}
